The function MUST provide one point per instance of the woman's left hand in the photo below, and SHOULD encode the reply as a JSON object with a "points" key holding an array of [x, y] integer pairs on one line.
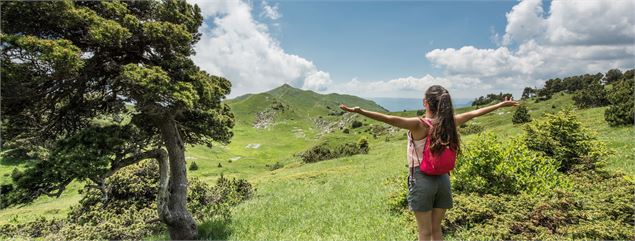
{"points": [[508, 102], [349, 109]]}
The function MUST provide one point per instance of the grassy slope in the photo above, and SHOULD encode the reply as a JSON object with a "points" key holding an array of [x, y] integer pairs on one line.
{"points": [[345, 198], [336, 199]]}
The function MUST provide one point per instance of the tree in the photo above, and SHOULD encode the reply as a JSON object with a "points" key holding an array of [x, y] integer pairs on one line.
{"points": [[593, 95], [489, 98], [629, 74], [528, 92], [521, 115], [621, 110], [612, 76], [104, 85], [554, 85]]}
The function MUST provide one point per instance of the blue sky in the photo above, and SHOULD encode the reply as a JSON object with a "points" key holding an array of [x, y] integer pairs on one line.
{"points": [[384, 40], [398, 49]]}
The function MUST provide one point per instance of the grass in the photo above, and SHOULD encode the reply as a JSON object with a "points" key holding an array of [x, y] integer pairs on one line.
{"points": [[340, 199], [343, 198]]}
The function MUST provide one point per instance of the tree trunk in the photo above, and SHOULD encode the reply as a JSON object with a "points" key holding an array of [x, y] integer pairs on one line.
{"points": [[174, 213]]}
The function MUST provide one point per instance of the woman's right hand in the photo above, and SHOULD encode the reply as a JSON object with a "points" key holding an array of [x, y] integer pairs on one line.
{"points": [[349, 109]]}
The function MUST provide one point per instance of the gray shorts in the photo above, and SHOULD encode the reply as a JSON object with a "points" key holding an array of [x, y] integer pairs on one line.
{"points": [[428, 192]]}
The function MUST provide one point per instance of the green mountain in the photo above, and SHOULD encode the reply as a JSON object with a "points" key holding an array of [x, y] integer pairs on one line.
{"points": [[289, 103]]}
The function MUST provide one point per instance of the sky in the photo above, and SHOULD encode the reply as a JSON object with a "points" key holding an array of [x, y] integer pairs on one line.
{"points": [[400, 48]]}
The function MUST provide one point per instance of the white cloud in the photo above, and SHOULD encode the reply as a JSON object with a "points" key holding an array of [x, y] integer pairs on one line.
{"points": [[524, 22], [270, 11], [575, 37], [408, 87], [241, 49], [318, 81]]}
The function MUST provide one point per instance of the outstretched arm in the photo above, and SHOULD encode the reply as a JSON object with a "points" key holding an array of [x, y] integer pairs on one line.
{"points": [[396, 121], [464, 117]]}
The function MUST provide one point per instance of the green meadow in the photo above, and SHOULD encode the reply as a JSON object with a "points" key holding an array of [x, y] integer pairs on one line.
{"points": [[338, 199]]}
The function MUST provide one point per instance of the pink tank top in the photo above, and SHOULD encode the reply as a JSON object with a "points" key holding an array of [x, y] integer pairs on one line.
{"points": [[415, 153]]}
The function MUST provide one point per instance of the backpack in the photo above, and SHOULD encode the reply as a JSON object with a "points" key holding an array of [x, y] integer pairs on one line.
{"points": [[436, 164]]}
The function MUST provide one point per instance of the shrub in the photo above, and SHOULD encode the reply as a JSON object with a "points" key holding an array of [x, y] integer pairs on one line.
{"points": [[563, 137], [593, 95], [275, 166], [470, 128], [346, 131], [193, 166], [220, 165], [521, 115], [128, 211], [356, 124], [621, 111], [324, 151], [598, 207], [420, 112], [363, 145], [495, 167], [317, 153]]}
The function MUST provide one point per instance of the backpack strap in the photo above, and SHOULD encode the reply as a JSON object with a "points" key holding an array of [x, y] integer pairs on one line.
{"points": [[411, 179], [426, 121]]}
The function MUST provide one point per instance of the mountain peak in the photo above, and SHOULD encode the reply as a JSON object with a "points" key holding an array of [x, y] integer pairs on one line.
{"points": [[283, 89]]}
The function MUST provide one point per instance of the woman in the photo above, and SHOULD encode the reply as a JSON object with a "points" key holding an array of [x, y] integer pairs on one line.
{"points": [[430, 196]]}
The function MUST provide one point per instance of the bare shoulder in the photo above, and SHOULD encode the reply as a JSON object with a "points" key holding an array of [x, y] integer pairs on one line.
{"points": [[421, 130]]}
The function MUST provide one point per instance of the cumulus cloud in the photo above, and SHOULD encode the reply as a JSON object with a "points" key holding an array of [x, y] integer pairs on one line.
{"points": [[238, 47], [574, 37], [270, 11], [408, 87], [318, 81]]}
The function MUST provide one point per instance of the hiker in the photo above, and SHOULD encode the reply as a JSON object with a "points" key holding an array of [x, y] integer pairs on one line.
{"points": [[433, 143]]}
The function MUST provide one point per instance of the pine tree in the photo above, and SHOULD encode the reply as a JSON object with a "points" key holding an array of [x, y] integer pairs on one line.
{"points": [[621, 110], [521, 115], [66, 64]]}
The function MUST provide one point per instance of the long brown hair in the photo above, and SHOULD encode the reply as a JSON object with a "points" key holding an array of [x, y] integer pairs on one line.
{"points": [[444, 133]]}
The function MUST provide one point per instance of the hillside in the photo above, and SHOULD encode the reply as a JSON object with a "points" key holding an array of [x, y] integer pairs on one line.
{"points": [[291, 103], [329, 199]]}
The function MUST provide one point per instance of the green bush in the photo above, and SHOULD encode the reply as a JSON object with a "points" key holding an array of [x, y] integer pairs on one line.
{"points": [[129, 209], [470, 128], [193, 166], [326, 151], [521, 115], [621, 111], [492, 166], [593, 95], [317, 153], [275, 166], [356, 124], [363, 146], [563, 137], [599, 207], [420, 112]]}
